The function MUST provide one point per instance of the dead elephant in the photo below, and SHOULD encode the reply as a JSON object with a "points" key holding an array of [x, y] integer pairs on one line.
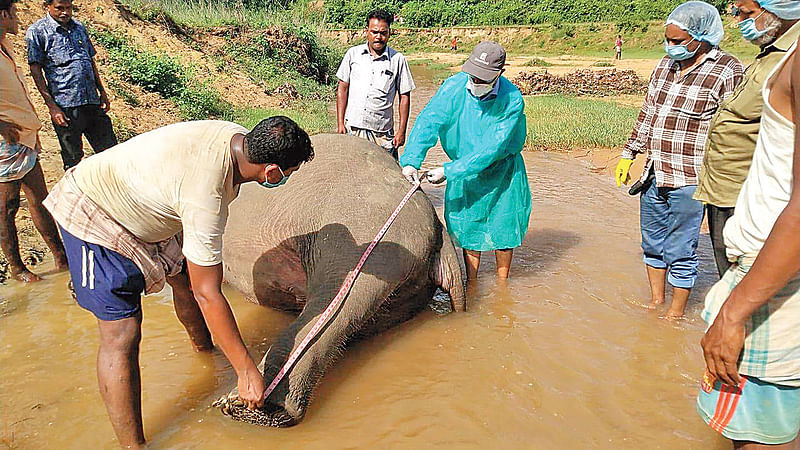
{"points": [[292, 247]]}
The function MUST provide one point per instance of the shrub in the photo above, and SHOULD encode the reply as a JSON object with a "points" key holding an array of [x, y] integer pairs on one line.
{"points": [[161, 74], [290, 54], [537, 62], [202, 102]]}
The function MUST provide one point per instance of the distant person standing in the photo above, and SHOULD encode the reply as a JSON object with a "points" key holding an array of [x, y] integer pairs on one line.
{"points": [[618, 47], [685, 91], [773, 27], [454, 44], [19, 157], [61, 58], [376, 73]]}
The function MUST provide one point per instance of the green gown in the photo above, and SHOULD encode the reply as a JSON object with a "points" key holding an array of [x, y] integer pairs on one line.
{"points": [[487, 200]]}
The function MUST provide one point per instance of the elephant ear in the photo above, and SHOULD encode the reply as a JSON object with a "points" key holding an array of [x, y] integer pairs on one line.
{"points": [[446, 274]]}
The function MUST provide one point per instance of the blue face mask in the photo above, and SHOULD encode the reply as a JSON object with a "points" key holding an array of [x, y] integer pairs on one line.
{"points": [[749, 29], [283, 181], [680, 52]]}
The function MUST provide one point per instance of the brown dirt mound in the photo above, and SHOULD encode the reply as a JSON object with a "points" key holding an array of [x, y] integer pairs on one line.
{"points": [[597, 83]]}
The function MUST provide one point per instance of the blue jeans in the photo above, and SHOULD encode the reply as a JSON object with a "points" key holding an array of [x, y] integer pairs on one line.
{"points": [[670, 221]]}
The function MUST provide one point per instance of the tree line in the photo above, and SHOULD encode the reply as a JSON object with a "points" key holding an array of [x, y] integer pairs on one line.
{"points": [[435, 13]]}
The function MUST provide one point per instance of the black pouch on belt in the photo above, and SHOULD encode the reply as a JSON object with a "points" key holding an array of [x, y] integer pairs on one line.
{"points": [[641, 186]]}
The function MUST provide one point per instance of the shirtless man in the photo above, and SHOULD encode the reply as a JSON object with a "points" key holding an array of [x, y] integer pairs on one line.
{"points": [[751, 389]]}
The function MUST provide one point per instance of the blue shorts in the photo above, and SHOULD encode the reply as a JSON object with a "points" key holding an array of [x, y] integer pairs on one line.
{"points": [[105, 282], [754, 411]]}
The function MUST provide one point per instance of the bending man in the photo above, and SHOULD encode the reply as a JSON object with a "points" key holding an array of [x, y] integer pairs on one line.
{"points": [[121, 213]]}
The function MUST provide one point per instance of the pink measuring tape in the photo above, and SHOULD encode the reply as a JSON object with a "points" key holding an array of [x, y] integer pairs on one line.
{"points": [[340, 296]]}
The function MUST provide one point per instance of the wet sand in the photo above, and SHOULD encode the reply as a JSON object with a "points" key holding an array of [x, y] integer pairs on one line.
{"points": [[564, 355]]}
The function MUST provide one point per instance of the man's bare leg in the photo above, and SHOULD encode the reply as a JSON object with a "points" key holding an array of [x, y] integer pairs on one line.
{"points": [[9, 205], [746, 445], [35, 190], [658, 284], [188, 312], [472, 260], [503, 259], [118, 377], [680, 297]]}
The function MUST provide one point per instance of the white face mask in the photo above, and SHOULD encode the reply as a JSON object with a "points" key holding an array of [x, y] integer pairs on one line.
{"points": [[480, 90]]}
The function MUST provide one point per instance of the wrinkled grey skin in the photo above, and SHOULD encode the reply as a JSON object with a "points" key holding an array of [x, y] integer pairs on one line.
{"points": [[291, 248]]}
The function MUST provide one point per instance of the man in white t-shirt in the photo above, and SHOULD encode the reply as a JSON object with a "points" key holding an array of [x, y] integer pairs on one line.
{"points": [[121, 214]]}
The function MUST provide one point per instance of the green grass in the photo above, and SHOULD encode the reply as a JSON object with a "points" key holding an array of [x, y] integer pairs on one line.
{"points": [[290, 54], [277, 47], [560, 122], [124, 93], [312, 116], [537, 62], [215, 13]]}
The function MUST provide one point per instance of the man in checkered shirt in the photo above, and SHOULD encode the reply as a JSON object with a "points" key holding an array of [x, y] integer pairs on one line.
{"points": [[686, 88]]}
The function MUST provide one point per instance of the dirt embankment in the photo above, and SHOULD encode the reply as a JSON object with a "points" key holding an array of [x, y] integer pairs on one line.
{"points": [[136, 110]]}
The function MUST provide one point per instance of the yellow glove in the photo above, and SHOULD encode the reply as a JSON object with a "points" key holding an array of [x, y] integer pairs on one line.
{"points": [[621, 173]]}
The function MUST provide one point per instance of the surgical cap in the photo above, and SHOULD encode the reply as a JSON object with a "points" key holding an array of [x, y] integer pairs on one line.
{"points": [[784, 9], [701, 20]]}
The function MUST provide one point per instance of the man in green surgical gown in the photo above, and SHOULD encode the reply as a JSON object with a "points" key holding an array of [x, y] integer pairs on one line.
{"points": [[479, 116]]}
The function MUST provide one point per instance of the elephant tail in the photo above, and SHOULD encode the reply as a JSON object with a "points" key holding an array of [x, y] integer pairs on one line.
{"points": [[447, 274]]}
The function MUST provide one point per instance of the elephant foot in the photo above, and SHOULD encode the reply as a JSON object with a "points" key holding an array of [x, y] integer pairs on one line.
{"points": [[269, 415]]}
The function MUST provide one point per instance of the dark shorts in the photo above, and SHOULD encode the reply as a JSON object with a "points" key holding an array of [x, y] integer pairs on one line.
{"points": [[88, 120], [105, 282]]}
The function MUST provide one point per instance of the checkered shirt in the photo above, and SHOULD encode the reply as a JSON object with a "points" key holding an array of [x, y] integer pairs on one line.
{"points": [[674, 121]]}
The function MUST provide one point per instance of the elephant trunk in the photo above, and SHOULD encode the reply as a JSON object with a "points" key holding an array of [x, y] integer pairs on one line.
{"points": [[447, 274]]}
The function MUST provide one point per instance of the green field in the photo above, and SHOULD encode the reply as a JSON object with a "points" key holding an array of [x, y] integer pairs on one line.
{"points": [[218, 13], [313, 116], [561, 122], [436, 13]]}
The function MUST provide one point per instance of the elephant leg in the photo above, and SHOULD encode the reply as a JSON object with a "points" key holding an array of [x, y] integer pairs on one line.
{"points": [[404, 303], [287, 404]]}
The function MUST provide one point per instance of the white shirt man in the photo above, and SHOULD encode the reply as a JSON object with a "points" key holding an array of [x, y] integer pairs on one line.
{"points": [[377, 73]]}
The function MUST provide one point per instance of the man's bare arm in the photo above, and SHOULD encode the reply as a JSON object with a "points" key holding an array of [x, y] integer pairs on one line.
{"points": [[56, 114], [10, 132], [341, 105], [105, 103], [206, 284], [405, 108]]}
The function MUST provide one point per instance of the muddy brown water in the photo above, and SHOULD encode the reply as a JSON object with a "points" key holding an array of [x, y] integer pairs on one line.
{"points": [[562, 356]]}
